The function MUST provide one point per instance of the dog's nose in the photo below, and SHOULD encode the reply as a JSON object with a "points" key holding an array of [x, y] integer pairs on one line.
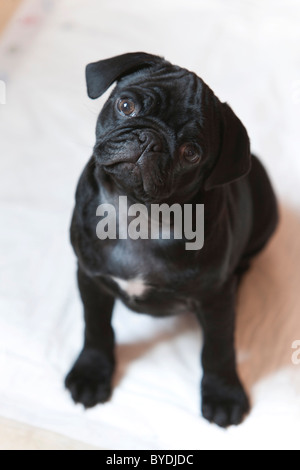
{"points": [[151, 141]]}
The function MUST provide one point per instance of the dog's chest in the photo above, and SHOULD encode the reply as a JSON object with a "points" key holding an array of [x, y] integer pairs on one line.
{"points": [[138, 274], [134, 269], [135, 288]]}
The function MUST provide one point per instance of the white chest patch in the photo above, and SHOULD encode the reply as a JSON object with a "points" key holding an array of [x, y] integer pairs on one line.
{"points": [[133, 288]]}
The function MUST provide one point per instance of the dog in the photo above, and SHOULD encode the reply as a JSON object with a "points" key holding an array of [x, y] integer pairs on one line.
{"points": [[163, 137]]}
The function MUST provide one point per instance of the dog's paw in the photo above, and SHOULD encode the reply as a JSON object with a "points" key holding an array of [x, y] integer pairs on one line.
{"points": [[222, 403], [89, 381]]}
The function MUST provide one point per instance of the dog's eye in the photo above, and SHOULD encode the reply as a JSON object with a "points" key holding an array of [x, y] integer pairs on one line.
{"points": [[127, 107], [190, 153]]}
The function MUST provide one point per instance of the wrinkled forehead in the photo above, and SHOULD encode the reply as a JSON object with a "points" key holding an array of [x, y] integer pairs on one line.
{"points": [[170, 83]]}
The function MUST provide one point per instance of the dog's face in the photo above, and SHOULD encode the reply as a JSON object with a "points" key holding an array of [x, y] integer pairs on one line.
{"points": [[163, 135]]}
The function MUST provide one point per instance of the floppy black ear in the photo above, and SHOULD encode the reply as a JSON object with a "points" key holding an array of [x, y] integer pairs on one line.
{"points": [[234, 159], [101, 75]]}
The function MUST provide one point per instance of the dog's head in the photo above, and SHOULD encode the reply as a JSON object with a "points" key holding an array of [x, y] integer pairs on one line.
{"points": [[163, 135]]}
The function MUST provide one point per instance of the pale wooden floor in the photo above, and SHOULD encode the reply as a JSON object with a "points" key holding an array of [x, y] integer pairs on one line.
{"points": [[7, 9], [269, 304], [17, 436]]}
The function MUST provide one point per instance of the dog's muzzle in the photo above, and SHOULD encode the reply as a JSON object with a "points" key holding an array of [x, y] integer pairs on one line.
{"points": [[134, 148], [138, 159]]}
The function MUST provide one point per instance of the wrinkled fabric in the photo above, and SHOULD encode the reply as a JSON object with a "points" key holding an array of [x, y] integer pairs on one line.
{"points": [[248, 53]]}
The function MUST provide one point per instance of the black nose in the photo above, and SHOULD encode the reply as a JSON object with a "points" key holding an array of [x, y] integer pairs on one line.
{"points": [[150, 141]]}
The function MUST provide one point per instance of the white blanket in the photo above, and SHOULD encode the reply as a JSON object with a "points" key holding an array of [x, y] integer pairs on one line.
{"points": [[248, 52]]}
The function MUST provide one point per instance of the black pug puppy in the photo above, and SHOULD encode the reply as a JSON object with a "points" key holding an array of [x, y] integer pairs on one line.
{"points": [[164, 137]]}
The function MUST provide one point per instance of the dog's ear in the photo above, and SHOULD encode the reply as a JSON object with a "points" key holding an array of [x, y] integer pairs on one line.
{"points": [[234, 160], [101, 75]]}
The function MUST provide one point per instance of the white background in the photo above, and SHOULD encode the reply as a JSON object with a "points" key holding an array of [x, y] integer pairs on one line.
{"points": [[248, 53]]}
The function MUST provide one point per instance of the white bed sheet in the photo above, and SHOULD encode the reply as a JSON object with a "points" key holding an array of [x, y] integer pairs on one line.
{"points": [[248, 52]]}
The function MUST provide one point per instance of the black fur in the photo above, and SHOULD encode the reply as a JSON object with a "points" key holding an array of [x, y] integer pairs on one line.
{"points": [[140, 157]]}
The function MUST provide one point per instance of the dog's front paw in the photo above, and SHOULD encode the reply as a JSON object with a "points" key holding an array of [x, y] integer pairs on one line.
{"points": [[89, 381], [223, 403]]}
